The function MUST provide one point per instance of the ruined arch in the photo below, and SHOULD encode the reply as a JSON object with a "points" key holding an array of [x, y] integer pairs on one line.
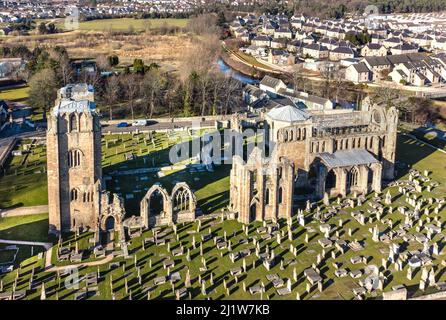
{"points": [[330, 180], [183, 202], [146, 205]]}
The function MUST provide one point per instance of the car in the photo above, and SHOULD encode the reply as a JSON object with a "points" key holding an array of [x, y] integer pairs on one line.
{"points": [[139, 123], [122, 125]]}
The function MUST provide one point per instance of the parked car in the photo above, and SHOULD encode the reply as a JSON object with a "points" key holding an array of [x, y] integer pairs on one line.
{"points": [[122, 125], [139, 123]]}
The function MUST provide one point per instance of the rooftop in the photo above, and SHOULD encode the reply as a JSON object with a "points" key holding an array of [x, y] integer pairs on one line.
{"points": [[288, 113], [345, 158]]}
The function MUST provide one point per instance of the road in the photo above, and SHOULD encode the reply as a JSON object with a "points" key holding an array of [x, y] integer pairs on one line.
{"points": [[156, 126]]}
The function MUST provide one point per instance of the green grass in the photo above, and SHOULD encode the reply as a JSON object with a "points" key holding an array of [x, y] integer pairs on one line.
{"points": [[123, 24], [19, 94], [25, 183], [27, 228]]}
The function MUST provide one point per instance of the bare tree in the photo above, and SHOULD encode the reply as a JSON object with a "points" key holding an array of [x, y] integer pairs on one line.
{"points": [[130, 83], [111, 94], [151, 88], [201, 59]]}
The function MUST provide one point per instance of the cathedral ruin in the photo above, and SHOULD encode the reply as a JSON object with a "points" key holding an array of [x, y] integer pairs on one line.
{"points": [[325, 152]]}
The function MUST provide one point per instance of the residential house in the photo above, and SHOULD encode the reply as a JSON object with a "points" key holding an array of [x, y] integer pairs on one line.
{"points": [[404, 48], [278, 43], [392, 42], [261, 41], [358, 73], [378, 66], [341, 53], [272, 85], [316, 50], [373, 50], [329, 43], [283, 33], [377, 39]]}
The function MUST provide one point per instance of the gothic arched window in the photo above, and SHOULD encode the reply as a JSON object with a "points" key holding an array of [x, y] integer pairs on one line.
{"points": [[74, 158], [74, 194], [73, 123]]}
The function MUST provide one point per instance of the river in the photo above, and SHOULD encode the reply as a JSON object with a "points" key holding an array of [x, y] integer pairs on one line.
{"points": [[236, 75]]}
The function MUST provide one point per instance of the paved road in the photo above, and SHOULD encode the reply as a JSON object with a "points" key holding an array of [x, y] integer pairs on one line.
{"points": [[157, 126], [46, 245], [23, 211]]}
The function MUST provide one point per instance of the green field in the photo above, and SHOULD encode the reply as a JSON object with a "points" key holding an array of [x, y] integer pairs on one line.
{"points": [[19, 94], [124, 24]]}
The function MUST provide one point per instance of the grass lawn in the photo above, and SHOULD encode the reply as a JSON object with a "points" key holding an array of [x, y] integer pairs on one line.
{"points": [[27, 228], [123, 24], [19, 94], [251, 60], [25, 181]]}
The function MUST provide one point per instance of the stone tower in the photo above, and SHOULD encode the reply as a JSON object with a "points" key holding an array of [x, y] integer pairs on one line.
{"points": [[74, 161]]}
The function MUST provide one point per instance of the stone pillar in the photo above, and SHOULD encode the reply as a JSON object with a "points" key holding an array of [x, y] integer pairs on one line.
{"points": [[320, 186], [363, 179], [377, 171], [341, 181]]}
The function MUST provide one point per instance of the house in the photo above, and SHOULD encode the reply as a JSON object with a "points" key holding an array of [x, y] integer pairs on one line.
{"points": [[268, 29], [373, 50], [329, 43], [336, 33], [295, 46], [9, 66], [418, 73], [297, 24], [377, 65], [392, 42], [252, 94], [316, 50], [261, 41], [307, 101], [278, 43], [341, 53], [404, 48], [422, 40], [283, 33], [239, 32], [278, 56], [439, 44], [272, 85], [377, 39], [358, 73]]}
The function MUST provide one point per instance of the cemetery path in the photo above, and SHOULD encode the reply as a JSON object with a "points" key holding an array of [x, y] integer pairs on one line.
{"points": [[23, 211], [50, 268], [46, 245], [426, 143]]}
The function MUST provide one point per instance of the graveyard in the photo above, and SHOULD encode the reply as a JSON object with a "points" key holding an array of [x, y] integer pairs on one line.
{"points": [[23, 178], [357, 247]]}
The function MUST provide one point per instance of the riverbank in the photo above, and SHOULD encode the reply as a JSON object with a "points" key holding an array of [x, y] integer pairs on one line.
{"points": [[242, 68]]}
